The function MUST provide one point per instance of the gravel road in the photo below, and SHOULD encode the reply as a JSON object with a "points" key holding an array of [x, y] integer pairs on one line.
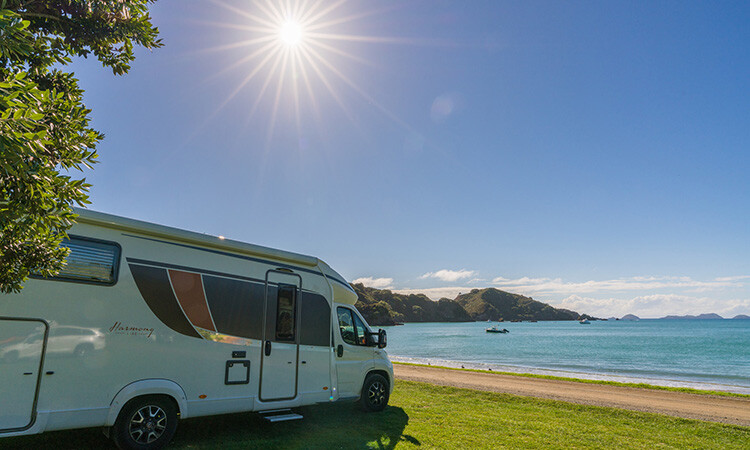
{"points": [[732, 410]]}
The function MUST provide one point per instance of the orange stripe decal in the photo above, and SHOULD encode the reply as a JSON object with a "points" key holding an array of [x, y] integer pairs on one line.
{"points": [[189, 290]]}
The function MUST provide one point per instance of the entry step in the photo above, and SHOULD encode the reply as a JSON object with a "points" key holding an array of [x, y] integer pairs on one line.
{"points": [[279, 415]]}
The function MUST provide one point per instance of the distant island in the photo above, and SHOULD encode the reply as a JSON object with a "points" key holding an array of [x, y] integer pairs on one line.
{"points": [[710, 316], [384, 307]]}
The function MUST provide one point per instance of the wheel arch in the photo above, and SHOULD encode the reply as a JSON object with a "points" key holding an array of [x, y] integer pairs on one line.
{"points": [[382, 366], [148, 387], [385, 375]]}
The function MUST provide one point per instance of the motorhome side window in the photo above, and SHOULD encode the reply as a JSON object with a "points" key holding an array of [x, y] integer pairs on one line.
{"points": [[90, 261], [285, 317], [353, 331]]}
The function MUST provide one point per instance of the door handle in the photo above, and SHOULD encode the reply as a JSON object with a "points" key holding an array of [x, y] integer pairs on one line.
{"points": [[268, 348], [340, 351]]}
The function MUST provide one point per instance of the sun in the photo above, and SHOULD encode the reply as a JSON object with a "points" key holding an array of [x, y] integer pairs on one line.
{"points": [[291, 33], [293, 53]]}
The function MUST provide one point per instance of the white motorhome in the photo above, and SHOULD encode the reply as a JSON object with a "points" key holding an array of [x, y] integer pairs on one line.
{"points": [[147, 324]]}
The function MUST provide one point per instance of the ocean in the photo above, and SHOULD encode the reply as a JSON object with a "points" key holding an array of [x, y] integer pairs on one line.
{"points": [[702, 354]]}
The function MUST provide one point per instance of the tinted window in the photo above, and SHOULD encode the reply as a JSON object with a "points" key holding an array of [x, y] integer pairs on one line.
{"points": [[353, 330], [285, 316], [346, 325], [360, 330], [315, 320], [236, 306], [90, 261], [64, 331]]}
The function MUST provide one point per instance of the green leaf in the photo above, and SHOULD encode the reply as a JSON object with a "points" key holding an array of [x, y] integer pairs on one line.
{"points": [[44, 125]]}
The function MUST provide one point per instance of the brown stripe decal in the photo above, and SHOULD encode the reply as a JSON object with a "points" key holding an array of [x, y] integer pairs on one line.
{"points": [[153, 283], [189, 290]]}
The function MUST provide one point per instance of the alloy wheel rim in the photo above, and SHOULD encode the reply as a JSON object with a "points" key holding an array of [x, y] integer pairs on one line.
{"points": [[148, 424], [376, 393]]}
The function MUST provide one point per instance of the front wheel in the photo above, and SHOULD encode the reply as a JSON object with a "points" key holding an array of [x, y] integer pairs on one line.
{"points": [[145, 423], [375, 393]]}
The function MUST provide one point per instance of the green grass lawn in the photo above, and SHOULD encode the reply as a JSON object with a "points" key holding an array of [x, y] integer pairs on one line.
{"points": [[426, 416]]}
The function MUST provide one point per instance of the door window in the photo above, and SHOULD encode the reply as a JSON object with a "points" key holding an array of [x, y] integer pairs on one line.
{"points": [[285, 313], [346, 325], [360, 330], [353, 330]]}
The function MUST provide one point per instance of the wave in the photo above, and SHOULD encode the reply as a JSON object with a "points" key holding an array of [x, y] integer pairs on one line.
{"points": [[698, 381]]}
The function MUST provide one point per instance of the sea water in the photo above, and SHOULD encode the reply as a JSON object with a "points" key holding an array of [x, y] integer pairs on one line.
{"points": [[703, 354]]}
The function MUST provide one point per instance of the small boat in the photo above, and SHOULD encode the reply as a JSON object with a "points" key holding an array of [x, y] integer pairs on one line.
{"points": [[495, 329], [584, 322]]}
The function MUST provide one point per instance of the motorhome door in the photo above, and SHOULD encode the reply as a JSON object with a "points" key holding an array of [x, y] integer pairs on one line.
{"points": [[22, 344], [280, 349]]}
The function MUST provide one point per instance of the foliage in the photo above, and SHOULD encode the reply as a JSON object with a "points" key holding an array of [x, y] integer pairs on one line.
{"points": [[44, 125], [494, 304], [383, 307]]}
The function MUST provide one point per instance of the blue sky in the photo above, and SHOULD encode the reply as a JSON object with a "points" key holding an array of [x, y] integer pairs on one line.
{"points": [[593, 155]]}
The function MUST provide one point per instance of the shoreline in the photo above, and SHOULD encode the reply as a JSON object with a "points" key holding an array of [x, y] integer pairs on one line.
{"points": [[734, 410], [573, 376]]}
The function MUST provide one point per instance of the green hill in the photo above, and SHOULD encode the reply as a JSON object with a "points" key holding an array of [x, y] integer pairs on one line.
{"points": [[494, 304], [384, 307]]}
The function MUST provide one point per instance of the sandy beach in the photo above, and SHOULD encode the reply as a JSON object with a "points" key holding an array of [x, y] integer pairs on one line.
{"points": [[731, 410]]}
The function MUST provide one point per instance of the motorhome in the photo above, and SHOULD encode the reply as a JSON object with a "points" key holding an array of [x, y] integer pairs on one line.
{"points": [[148, 324]]}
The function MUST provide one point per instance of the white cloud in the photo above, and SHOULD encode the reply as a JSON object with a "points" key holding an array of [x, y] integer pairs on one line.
{"points": [[500, 281], [644, 306], [449, 275], [735, 278], [526, 285], [644, 296], [377, 283], [436, 293], [654, 306]]}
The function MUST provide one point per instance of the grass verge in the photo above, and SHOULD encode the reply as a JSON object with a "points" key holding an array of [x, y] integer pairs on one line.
{"points": [[581, 380], [426, 416]]}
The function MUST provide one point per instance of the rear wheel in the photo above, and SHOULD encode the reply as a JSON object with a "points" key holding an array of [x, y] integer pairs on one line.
{"points": [[375, 393], [145, 423], [82, 350]]}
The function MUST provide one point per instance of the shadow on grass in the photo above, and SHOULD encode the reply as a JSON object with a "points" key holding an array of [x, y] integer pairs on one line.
{"points": [[324, 426]]}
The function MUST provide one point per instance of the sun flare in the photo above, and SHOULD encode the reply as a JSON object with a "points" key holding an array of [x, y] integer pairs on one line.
{"points": [[291, 33], [294, 55]]}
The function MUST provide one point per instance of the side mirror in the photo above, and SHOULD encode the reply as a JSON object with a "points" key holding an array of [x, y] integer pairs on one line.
{"points": [[382, 338]]}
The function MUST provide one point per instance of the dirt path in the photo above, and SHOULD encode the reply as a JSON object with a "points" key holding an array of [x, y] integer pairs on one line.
{"points": [[733, 410]]}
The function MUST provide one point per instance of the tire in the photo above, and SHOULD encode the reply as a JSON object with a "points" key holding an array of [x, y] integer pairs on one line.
{"points": [[83, 350], [145, 423], [375, 393]]}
